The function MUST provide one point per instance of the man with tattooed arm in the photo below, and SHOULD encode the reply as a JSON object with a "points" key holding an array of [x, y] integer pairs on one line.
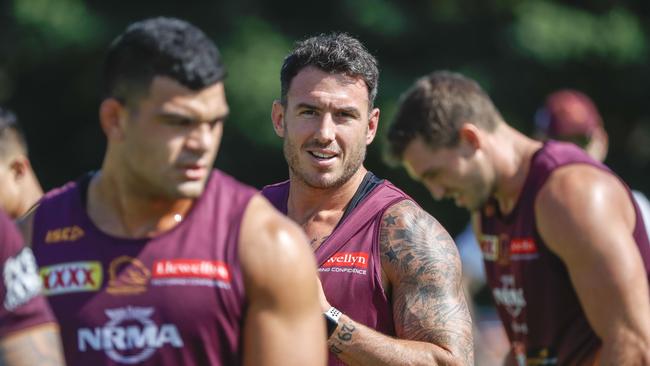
{"points": [[390, 273]]}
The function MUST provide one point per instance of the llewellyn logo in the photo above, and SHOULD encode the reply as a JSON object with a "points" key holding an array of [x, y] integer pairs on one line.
{"points": [[71, 277], [357, 260], [191, 268], [68, 233], [190, 272], [127, 276]]}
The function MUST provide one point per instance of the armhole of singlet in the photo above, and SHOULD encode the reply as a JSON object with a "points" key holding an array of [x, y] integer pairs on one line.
{"points": [[367, 186]]}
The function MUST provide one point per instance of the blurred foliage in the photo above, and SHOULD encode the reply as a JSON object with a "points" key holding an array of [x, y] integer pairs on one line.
{"points": [[553, 32], [60, 22], [51, 52], [254, 56], [378, 16]]}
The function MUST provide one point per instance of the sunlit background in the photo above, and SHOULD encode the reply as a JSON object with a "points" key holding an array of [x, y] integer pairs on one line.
{"points": [[51, 53]]}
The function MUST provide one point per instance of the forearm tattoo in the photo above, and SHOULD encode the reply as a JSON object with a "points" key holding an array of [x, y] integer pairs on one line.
{"points": [[342, 336], [423, 263]]}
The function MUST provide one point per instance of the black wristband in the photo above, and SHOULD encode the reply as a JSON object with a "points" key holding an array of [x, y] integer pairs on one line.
{"points": [[332, 320]]}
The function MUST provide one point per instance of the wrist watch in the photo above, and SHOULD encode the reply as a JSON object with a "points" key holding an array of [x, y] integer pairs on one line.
{"points": [[332, 317]]}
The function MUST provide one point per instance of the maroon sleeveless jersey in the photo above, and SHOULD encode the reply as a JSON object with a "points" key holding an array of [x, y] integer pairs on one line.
{"points": [[530, 285], [175, 299], [22, 304], [349, 259]]}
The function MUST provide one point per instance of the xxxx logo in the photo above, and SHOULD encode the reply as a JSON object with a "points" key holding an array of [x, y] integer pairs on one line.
{"points": [[71, 277]]}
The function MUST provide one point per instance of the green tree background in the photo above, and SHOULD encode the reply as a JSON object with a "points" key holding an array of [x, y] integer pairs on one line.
{"points": [[51, 52]]}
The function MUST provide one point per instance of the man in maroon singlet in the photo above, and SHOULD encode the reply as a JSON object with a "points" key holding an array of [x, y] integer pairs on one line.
{"points": [[157, 259], [565, 249], [389, 271], [28, 332]]}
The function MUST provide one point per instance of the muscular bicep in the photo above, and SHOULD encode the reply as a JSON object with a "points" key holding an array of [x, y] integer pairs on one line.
{"points": [[283, 324], [35, 346], [422, 264], [590, 228]]}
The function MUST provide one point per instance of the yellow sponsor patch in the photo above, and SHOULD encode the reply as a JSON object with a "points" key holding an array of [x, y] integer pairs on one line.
{"points": [[71, 277]]}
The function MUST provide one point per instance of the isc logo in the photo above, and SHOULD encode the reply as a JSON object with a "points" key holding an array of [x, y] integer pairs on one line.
{"points": [[68, 233]]}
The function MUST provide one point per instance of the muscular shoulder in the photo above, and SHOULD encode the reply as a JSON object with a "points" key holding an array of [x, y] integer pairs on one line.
{"points": [[270, 243], [411, 240], [579, 190], [578, 199]]}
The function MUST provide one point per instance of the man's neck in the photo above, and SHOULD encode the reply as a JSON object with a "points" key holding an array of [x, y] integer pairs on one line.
{"points": [[117, 209], [512, 165], [30, 193], [318, 211]]}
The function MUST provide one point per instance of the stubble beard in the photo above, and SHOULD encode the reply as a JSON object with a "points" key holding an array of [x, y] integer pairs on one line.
{"points": [[316, 180]]}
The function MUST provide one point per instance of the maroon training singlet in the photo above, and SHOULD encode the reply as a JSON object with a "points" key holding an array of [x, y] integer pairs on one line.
{"points": [[175, 299], [22, 305], [530, 285], [349, 259]]}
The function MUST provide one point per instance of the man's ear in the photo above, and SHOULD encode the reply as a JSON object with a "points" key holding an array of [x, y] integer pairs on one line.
{"points": [[19, 166], [471, 136], [111, 115], [373, 124], [277, 116]]}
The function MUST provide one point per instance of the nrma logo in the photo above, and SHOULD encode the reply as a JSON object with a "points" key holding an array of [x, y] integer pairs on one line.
{"points": [[130, 336]]}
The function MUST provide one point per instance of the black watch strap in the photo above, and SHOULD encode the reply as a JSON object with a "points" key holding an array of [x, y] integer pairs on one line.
{"points": [[332, 317]]}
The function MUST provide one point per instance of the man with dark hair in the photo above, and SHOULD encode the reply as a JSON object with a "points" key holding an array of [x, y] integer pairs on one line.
{"points": [[566, 254], [19, 187], [390, 273], [157, 259], [29, 335]]}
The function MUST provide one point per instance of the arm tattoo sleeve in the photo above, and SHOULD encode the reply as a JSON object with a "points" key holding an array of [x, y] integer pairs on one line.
{"points": [[422, 263]]}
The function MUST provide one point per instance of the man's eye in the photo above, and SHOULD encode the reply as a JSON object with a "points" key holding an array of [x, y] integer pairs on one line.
{"points": [[181, 122], [308, 112], [215, 122]]}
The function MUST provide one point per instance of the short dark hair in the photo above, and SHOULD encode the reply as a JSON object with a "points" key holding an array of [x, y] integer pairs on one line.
{"points": [[12, 138], [160, 47], [333, 53], [436, 107]]}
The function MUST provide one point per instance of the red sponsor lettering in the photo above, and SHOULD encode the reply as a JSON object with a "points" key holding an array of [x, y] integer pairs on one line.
{"points": [[88, 277], [59, 278], [357, 259], [191, 268], [71, 277], [523, 246]]}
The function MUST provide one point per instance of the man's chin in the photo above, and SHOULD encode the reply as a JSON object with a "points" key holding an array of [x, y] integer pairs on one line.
{"points": [[324, 181], [190, 190]]}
